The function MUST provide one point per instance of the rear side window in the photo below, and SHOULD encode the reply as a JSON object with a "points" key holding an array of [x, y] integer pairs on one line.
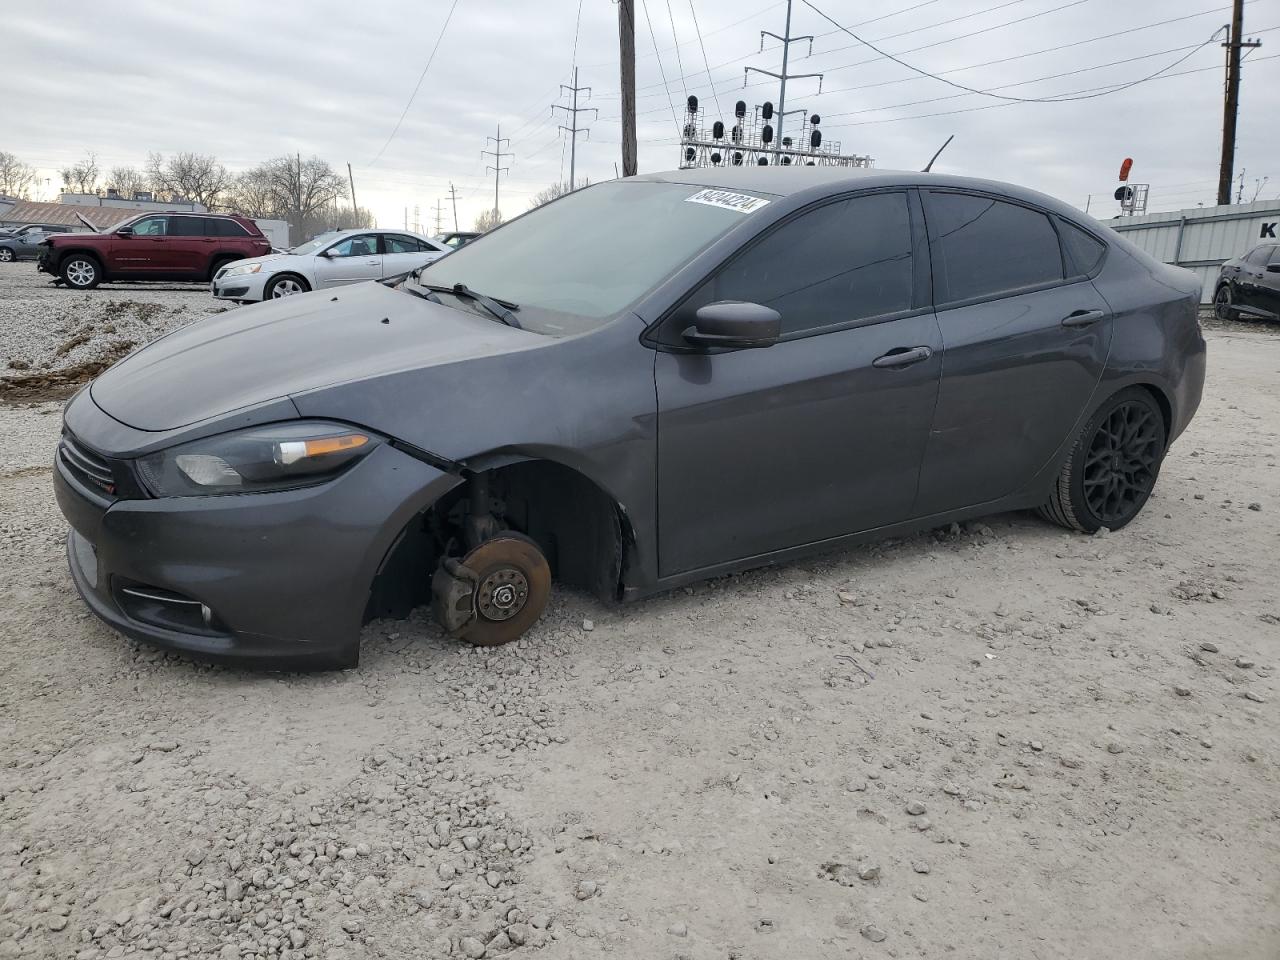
{"points": [[186, 226], [848, 260], [223, 228], [1259, 255], [1275, 256], [398, 244], [988, 247], [1084, 252]]}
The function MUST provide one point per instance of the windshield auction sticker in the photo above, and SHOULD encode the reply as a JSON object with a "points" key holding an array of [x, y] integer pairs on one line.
{"points": [[741, 202]]}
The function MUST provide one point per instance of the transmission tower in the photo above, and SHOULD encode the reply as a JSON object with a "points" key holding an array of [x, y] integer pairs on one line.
{"points": [[497, 153], [439, 216], [573, 129], [786, 40]]}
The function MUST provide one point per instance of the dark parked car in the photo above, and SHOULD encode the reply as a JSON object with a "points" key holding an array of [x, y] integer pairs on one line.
{"points": [[458, 238], [23, 243], [1249, 286], [644, 383], [153, 246]]}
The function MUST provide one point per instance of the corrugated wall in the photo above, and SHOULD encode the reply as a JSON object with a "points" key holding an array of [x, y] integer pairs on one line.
{"points": [[1202, 238]]}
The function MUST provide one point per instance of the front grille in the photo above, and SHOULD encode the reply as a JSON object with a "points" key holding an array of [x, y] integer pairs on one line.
{"points": [[89, 468]]}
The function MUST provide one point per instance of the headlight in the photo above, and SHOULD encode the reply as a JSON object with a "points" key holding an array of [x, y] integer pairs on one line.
{"points": [[279, 456], [240, 271]]}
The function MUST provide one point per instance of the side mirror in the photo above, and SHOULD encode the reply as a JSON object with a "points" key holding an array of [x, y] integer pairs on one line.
{"points": [[328, 254], [733, 323], [125, 232]]}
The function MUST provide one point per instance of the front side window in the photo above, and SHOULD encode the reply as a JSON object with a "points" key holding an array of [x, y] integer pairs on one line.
{"points": [[989, 248], [846, 261], [360, 246], [1258, 255], [151, 227], [572, 263]]}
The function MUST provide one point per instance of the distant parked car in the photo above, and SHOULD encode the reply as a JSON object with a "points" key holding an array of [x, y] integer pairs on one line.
{"points": [[153, 246], [330, 260], [1249, 286], [459, 238], [23, 243]]}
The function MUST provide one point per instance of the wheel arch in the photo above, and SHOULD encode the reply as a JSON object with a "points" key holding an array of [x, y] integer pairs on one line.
{"points": [[286, 273]]}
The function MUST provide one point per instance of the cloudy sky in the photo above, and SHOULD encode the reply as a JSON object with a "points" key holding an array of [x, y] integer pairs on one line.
{"points": [[248, 80]]}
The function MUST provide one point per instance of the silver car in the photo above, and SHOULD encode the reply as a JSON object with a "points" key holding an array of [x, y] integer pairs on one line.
{"points": [[330, 260], [24, 242]]}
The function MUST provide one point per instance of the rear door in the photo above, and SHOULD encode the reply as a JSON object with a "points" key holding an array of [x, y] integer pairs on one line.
{"points": [[1025, 338], [349, 261], [1269, 285], [402, 253], [1252, 277], [142, 251], [822, 433], [189, 248]]}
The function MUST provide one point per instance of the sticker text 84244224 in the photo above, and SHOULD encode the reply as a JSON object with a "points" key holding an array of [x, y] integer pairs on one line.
{"points": [[742, 202]]}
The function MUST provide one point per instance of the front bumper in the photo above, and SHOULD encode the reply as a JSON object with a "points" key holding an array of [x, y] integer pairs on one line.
{"points": [[246, 286], [283, 577]]}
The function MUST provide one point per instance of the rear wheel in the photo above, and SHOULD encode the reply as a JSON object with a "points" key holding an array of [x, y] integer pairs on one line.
{"points": [[81, 272], [1113, 467], [1224, 304], [285, 285], [6, 255], [512, 584]]}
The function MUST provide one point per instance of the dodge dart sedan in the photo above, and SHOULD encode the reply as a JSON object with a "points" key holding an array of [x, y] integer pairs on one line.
{"points": [[644, 383]]}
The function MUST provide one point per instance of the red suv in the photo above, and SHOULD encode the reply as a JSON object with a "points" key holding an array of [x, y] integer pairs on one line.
{"points": [[153, 246]]}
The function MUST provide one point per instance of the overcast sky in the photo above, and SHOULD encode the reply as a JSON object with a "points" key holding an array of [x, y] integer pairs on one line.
{"points": [[250, 80]]}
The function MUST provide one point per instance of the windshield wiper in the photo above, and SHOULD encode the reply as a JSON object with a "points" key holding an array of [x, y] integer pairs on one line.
{"points": [[501, 309]]}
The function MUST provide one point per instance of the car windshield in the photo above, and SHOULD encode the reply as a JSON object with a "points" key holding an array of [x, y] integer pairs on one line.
{"points": [[311, 246], [584, 258]]}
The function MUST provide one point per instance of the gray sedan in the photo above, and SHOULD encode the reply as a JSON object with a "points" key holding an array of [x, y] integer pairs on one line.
{"points": [[644, 383], [24, 242]]}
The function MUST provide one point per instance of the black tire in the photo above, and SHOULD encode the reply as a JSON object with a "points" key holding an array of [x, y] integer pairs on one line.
{"points": [[1113, 466], [79, 271], [1222, 303], [218, 264], [7, 255], [270, 291]]}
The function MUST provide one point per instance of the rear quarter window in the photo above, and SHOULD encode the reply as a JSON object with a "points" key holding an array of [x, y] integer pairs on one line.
{"points": [[224, 228], [1084, 251]]}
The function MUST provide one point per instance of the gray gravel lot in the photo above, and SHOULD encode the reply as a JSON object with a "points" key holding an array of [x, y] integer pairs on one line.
{"points": [[991, 741]]}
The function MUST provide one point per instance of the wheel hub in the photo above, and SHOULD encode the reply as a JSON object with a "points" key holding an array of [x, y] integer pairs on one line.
{"points": [[502, 594]]}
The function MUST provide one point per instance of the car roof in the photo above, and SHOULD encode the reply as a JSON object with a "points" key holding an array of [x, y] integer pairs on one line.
{"points": [[786, 181]]}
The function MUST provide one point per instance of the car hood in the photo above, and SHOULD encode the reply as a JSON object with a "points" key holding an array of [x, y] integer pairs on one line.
{"points": [[265, 258], [251, 355]]}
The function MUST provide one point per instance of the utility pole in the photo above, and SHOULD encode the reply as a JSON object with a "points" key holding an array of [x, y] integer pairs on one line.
{"points": [[1234, 45], [351, 178], [439, 215], [627, 69], [406, 218], [453, 195], [497, 153], [787, 40], [572, 112]]}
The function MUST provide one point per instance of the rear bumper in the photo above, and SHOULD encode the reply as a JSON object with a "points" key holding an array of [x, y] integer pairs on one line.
{"points": [[283, 577]]}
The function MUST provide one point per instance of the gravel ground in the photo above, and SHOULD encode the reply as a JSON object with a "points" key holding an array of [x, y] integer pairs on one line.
{"points": [[995, 741]]}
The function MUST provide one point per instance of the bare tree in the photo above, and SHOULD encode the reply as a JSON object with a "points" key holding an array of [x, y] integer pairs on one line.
{"points": [[189, 176], [252, 195], [82, 176], [554, 192], [16, 177], [127, 181], [488, 220]]}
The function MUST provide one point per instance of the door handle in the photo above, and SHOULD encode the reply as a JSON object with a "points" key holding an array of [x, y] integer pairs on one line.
{"points": [[1083, 318], [902, 357]]}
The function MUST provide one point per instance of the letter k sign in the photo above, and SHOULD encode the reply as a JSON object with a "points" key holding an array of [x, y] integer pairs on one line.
{"points": [[1268, 231]]}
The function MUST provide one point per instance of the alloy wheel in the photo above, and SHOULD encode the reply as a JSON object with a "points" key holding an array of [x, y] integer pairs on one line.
{"points": [[80, 273], [1222, 303], [1123, 460], [286, 288], [5, 254]]}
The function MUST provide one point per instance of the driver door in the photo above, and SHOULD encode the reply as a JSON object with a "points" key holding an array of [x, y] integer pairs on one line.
{"points": [[142, 251], [350, 260], [821, 434]]}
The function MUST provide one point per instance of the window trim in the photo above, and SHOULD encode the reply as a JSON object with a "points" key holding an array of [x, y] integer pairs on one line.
{"points": [[940, 286], [921, 280]]}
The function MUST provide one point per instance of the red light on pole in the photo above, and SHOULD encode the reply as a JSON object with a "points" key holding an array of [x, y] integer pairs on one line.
{"points": [[1124, 169]]}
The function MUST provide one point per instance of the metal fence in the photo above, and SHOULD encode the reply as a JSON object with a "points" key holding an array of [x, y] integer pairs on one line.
{"points": [[1202, 238]]}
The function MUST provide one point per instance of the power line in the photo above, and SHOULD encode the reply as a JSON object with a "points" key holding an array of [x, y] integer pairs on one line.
{"points": [[705, 62], [679, 62], [1000, 96], [652, 36], [417, 85]]}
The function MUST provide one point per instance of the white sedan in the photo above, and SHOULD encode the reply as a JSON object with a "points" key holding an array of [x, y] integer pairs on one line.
{"points": [[330, 260]]}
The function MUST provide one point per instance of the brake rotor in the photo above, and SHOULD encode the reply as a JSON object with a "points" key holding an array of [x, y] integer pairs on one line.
{"points": [[513, 582]]}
